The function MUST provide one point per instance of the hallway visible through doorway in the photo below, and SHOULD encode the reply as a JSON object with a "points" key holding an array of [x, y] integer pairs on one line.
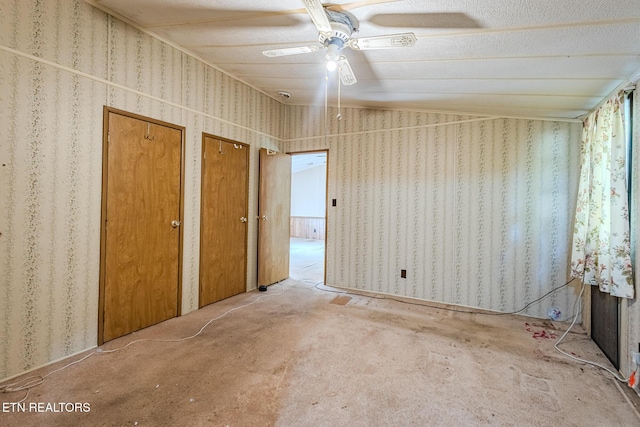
{"points": [[308, 215], [307, 260]]}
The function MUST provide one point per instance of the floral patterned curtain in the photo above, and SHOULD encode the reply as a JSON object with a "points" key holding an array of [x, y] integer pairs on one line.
{"points": [[601, 243]]}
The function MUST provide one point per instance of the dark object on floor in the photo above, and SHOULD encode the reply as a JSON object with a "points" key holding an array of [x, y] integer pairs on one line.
{"points": [[262, 288]]}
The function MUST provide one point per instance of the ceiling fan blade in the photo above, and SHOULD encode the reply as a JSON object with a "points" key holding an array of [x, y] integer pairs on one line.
{"points": [[356, 4], [290, 51], [346, 73], [318, 15], [383, 42]]}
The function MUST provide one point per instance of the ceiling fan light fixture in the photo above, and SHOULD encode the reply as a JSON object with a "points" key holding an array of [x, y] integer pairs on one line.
{"points": [[333, 53]]}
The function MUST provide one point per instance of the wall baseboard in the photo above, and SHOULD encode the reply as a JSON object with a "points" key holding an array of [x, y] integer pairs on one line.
{"points": [[47, 364]]}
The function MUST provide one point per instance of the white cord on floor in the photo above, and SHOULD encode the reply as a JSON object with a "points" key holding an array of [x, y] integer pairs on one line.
{"points": [[100, 351], [627, 399], [577, 311], [36, 380]]}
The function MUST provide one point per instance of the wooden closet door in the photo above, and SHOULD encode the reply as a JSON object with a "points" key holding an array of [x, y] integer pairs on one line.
{"points": [[141, 225], [223, 225]]}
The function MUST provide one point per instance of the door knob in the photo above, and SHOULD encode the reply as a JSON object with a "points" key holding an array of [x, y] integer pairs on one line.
{"points": [[243, 219], [175, 223]]}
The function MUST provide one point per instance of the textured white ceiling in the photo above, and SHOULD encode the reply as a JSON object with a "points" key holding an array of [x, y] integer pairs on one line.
{"points": [[302, 162], [528, 58]]}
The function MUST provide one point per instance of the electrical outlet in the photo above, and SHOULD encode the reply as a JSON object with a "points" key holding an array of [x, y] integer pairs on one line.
{"points": [[635, 356]]}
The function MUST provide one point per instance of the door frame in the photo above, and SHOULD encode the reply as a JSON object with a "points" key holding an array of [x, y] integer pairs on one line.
{"points": [[326, 202], [103, 210], [246, 209]]}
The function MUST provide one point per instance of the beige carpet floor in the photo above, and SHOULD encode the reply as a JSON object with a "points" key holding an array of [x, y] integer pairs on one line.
{"points": [[298, 355]]}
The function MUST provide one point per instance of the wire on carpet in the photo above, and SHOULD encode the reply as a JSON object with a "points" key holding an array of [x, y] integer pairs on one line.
{"points": [[456, 310], [577, 310], [35, 380]]}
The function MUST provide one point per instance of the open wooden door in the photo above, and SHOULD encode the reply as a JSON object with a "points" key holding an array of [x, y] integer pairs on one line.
{"points": [[274, 200], [223, 219], [141, 224]]}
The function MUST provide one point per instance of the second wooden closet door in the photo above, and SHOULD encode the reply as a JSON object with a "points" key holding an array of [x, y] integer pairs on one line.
{"points": [[223, 227]]}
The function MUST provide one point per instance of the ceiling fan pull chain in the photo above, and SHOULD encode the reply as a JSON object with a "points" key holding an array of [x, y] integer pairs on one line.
{"points": [[326, 96], [339, 116]]}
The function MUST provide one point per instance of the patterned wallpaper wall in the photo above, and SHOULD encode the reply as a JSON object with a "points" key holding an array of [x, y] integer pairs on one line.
{"points": [[60, 63], [478, 211]]}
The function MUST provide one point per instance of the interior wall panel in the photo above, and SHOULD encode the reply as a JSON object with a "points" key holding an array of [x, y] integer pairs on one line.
{"points": [[148, 67], [74, 30], [52, 168], [195, 125], [478, 212], [194, 96], [144, 63]]}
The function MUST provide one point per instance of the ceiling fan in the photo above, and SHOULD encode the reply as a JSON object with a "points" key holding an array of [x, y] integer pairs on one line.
{"points": [[335, 28]]}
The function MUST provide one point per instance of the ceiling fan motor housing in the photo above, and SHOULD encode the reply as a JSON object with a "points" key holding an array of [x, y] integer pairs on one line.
{"points": [[342, 26]]}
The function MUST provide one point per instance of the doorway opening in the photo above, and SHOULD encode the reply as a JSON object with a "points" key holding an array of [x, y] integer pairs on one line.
{"points": [[308, 216]]}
